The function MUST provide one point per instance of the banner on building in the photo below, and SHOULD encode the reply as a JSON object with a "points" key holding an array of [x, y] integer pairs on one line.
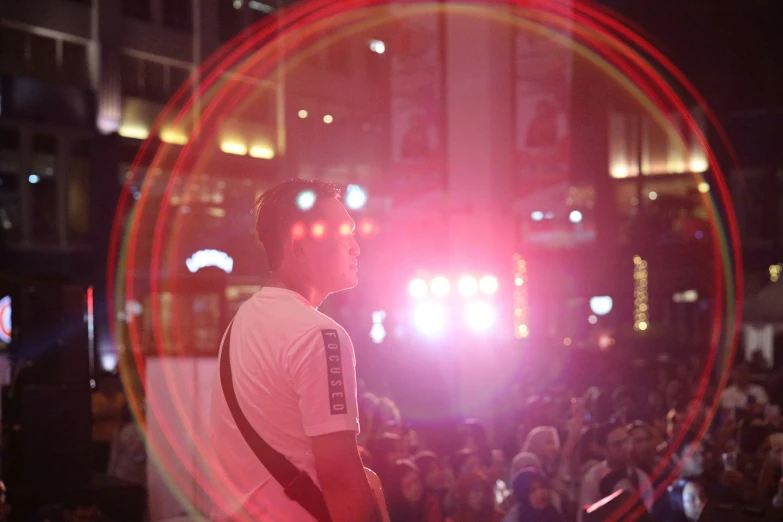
{"points": [[543, 77], [417, 104]]}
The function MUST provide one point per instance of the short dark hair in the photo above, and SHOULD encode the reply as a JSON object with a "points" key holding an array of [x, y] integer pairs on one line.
{"points": [[276, 211], [604, 430]]}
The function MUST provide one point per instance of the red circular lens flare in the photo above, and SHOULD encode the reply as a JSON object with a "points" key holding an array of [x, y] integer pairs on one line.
{"points": [[318, 230], [298, 231], [595, 30], [345, 229]]}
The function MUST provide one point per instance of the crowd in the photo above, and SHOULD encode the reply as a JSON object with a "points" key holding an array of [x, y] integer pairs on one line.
{"points": [[560, 449]]}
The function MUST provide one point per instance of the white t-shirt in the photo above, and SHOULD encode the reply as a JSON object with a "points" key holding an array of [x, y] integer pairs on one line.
{"points": [[733, 397], [294, 374]]}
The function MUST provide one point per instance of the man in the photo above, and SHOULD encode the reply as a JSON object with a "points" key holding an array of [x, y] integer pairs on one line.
{"points": [[736, 396], [616, 444], [643, 448], [293, 368]]}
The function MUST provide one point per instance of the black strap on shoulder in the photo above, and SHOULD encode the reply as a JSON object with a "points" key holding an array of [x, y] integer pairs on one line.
{"points": [[297, 484]]}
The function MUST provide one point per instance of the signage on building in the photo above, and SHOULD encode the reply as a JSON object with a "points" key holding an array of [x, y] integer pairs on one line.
{"points": [[5, 319], [417, 103], [205, 258]]}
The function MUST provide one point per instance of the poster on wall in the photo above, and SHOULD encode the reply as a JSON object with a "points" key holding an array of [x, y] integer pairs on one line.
{"points": [[543, 77], [417, 104]]}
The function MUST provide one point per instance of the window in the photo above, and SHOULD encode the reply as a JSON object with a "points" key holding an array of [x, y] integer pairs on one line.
{"points": [[43, 189], [177, 77], [231, 20], [132, 79], [136, 9], [154, 81], [12, 50], [79, 192], [43, 57], [177, 14], [74, 64]]}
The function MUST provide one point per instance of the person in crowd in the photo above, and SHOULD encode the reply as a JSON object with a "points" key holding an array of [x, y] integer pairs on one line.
{"points": [[368, 413], [544, 443], [534, 500], [643, 447], [108, 402], [474, 502], [128, 459], [616, 444], [588, 452], [736, 395], [687, 499], [624, 404], [465, 461], [406, 497], [385, 450], [388, 411], [438, 479]]}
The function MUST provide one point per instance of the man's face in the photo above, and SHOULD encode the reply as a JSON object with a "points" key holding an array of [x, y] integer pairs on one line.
{"points": [[330, 249], [618, 445], [643, 449]]}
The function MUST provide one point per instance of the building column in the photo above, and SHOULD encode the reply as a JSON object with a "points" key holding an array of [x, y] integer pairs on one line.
{"points": [[479, 153], [107, 29]]}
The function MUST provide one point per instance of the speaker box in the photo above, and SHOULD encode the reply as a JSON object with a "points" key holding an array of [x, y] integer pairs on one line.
{"points": [[620, 505]]}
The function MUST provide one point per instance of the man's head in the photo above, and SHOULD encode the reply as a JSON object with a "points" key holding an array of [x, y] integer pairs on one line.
{"points": [[308, 235], [614, 438], [741, 376], [643, 445]]}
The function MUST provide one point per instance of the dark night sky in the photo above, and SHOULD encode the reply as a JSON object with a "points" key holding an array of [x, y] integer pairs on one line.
{"points": [[732, 50]]}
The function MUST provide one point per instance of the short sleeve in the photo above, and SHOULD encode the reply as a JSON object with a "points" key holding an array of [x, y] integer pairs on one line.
{"points": [[322, 367]]}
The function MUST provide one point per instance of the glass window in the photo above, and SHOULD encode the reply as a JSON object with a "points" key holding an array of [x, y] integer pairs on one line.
{"points": [[12, 50], [177, 14], [10, 231], [43, 209], [154, 87], [75, 71], [79, 192], [43, 189], [43, 57], [136, 9], [9, 150], [132, 79], [231, 20], [177, 77]]}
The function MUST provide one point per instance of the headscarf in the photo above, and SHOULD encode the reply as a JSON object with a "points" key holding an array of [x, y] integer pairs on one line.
{"points": [[535, 439], [400, 509], [522, 485], [467, 483]]}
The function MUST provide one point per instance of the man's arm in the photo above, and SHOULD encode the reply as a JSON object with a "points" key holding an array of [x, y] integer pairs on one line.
{"points": [[341, 477]]}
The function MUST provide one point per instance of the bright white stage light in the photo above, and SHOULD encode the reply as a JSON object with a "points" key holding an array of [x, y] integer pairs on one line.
{"points": [[467, 286], [418, 288], [488, 284], [355, 197], [440, 286], [429, 318], [480, 317], [601, 304]]}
